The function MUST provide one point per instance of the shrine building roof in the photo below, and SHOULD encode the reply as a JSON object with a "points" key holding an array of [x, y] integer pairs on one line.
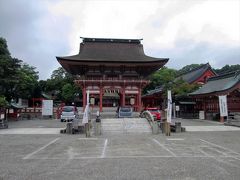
{"points": [[194, 74], [111, 50], [219, 84]]}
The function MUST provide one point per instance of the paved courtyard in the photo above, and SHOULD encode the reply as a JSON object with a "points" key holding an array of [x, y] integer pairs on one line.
{"points": [[125, 150]]}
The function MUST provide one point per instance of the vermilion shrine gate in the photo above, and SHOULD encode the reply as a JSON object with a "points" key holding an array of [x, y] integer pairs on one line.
{"points": [[112, 66]]}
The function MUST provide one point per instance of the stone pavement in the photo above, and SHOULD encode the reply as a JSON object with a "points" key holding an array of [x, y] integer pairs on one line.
{"points": [[126, 125], [126, 150], [182, 156], [113, 125]]}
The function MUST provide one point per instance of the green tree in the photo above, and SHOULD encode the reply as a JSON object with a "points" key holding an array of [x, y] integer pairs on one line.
{"points": [[68, 92], [8, 71], [180, 88], [187, 68], [228, 68], [27, 82], [58, 79], [59, 85], [17, 79], [3, 102], [3, 47], [160, 78]]}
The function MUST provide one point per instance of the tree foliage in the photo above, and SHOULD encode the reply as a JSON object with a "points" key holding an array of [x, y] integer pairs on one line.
{"points": [[166, 79], [68, 92], [188, 68], [227, 69], [161, 77], [17, 79], [3, 47], [61, 85], [28, 81], [181, 88], [3, 101]]}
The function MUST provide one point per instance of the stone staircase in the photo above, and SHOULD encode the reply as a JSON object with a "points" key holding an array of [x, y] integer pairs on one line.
{"points": [[125, 125]]}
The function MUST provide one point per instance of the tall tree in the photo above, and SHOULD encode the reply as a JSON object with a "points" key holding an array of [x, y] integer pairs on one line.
{"points": [[187, 68], [8, 71], [3, 47], [28, 81], [59, 84], [161, 77], [228, 68], [68, 92], [17, 79]]}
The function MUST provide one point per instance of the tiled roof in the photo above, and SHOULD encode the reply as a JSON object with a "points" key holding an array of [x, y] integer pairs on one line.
{"points": [[112, 50], [195, 73], [219, 83], [156, 90]]}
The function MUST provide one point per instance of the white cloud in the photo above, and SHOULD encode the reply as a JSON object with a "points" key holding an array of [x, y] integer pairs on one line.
{"points": [[186, 31], [106, 19], [160, 23]]}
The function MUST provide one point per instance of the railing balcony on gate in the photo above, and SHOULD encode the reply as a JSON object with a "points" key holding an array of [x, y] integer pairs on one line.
{"points": [[113, 79]]}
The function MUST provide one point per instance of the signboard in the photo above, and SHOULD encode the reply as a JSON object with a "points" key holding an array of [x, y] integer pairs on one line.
{"points": [[201, 115], [223, 106], [177, 108], [86, 111], [131, 92], [169, 107], [112, 91], [88, 96], [92, 101], [47, 107], [94, 91], [2, 116], [132, 101], [85, 114]]}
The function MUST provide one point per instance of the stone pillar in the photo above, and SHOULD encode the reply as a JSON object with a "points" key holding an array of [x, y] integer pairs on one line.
{"points": [[221, 119]]}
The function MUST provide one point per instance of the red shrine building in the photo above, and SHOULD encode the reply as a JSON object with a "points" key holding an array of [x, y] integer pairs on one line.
{"points": [[113, 70], [206, 97], [198, 75]]}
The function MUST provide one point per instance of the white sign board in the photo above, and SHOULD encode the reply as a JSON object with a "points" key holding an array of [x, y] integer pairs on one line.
{"points": [[86, 111], [2, 116], [132, 101], [92, 101], [47, 107], [201, 115], [88, 92], [177, 108], [169, 107], [223, 106], [86, 114]]}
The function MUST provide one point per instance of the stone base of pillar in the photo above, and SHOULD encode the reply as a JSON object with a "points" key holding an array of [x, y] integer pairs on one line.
{"points": [[222, 119]]}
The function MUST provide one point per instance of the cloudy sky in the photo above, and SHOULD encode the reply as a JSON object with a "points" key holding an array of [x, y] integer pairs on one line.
{"points": [[186, 31]]}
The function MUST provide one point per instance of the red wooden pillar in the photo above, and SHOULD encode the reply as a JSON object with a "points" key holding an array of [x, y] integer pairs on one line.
{"points": [[120, 96], [123, 97], [136, 102], [100, 99], [84, 97], [139, 100]]}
